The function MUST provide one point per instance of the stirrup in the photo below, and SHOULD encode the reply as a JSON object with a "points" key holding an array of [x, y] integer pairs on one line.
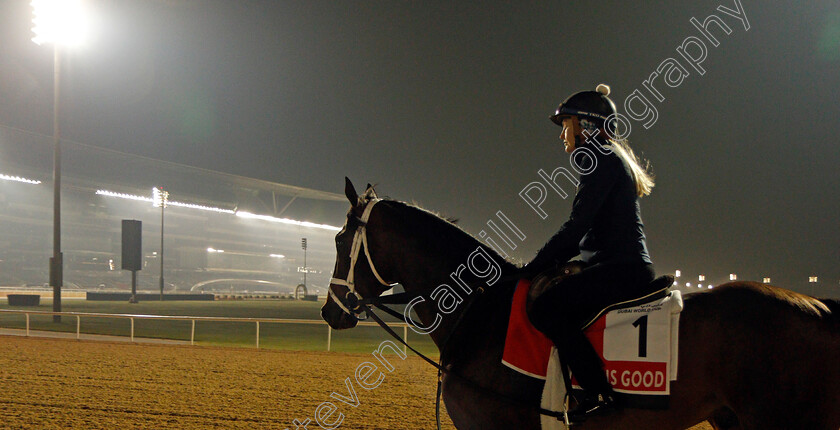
{"points": [[566, 411], [604, 405]]}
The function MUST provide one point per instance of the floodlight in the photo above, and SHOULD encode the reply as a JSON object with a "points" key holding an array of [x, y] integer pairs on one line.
{"points": [[60, 22]]}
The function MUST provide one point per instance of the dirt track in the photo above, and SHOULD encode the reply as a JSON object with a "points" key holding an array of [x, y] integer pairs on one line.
{"points": [[52, 383]]}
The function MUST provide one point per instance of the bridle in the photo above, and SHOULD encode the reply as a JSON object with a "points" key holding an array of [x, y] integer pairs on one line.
{"points": [[352, 304]]}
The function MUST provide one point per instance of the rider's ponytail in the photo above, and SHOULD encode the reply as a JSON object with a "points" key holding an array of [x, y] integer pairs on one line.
{"points": [[642, 176]]}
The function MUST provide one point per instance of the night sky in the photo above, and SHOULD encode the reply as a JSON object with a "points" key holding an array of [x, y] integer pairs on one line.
{"points": [[447, 105]]}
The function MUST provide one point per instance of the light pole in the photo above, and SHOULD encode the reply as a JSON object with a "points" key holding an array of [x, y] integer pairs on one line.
{"points": [[160, 197], [60, 22], [303, 245], [57, 260]]}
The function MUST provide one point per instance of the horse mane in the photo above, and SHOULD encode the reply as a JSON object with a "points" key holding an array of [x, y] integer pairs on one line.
{"points": [[447, 227], [414, 204]]}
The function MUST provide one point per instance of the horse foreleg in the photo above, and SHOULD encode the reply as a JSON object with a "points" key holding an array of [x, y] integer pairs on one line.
{"points": [[481, 410]]}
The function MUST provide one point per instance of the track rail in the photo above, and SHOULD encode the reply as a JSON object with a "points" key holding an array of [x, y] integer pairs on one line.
{"points": [[193, 319]]}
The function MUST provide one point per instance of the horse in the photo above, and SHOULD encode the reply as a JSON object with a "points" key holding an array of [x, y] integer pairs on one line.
{"points": [[751, 356]]}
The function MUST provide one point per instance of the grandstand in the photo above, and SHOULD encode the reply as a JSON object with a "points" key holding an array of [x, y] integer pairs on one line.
{"points": [[221, 231]]}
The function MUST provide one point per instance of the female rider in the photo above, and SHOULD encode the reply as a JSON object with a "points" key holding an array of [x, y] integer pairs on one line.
{"points": [[605, 228]]}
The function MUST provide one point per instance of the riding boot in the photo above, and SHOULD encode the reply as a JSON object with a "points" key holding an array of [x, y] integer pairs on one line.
{"points": [[586, 366]]}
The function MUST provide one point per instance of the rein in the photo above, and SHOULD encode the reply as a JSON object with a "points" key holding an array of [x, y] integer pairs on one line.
{"points": [[355, 305]]}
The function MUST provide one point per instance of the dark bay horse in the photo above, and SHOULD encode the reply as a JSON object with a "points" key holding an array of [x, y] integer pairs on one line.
{"points": [[751, 356]]}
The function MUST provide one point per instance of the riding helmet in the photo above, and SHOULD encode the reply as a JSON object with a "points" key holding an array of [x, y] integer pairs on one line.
{"points": [[593, 105]]}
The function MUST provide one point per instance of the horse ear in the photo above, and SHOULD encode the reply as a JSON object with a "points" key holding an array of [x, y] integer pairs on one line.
{"points": [[350, 192], [370, 192]]}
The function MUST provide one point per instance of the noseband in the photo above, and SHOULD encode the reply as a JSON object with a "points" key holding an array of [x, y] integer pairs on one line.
{"points": [[351, 303]]}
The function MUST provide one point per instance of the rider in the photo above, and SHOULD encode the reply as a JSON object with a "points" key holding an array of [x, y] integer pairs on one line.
{"points": [[605, 228]]}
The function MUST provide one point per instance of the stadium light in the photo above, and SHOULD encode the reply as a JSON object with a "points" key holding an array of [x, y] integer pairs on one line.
{"points": [[201, 207], [124, 196], [241, 214], [160, 198], [249, 215], [733, 277], [677, 273], [60, 22], [701, 278], [766, 280], [812, 279], [19, 179], [156, 197]]}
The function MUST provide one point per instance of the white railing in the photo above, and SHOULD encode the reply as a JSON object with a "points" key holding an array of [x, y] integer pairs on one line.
{"points": [[193, 319]]}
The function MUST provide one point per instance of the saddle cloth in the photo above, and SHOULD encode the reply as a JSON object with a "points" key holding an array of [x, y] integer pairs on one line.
{"points": [[638, 346], [526, 348]]}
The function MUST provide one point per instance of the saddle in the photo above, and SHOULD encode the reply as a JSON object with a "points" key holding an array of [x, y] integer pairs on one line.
{"points": [[656, 289]]}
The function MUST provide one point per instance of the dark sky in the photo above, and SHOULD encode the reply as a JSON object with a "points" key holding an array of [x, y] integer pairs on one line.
{"points": [[447, 105]]}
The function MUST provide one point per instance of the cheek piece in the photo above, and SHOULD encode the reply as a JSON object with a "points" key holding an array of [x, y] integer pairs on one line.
{"points": [[350, 302]]}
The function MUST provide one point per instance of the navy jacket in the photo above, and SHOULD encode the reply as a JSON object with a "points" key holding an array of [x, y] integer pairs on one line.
{"points": [[606, 223]]}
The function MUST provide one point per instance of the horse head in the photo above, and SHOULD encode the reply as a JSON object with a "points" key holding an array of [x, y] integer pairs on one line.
{"points": [[354, 276]]}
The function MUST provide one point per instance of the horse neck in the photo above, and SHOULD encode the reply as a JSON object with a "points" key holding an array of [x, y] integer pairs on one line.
{"points": [[425, 262]]}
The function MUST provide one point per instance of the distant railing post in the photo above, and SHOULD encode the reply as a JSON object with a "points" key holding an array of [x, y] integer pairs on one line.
{"points": [[329, 337], [192, 319]]}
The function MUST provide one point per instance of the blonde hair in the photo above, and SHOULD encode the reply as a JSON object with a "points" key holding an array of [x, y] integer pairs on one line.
{"points": [[642, 176]]}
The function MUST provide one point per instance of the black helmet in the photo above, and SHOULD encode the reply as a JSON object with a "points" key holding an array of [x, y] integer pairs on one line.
{"points": [[593, 105]]}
